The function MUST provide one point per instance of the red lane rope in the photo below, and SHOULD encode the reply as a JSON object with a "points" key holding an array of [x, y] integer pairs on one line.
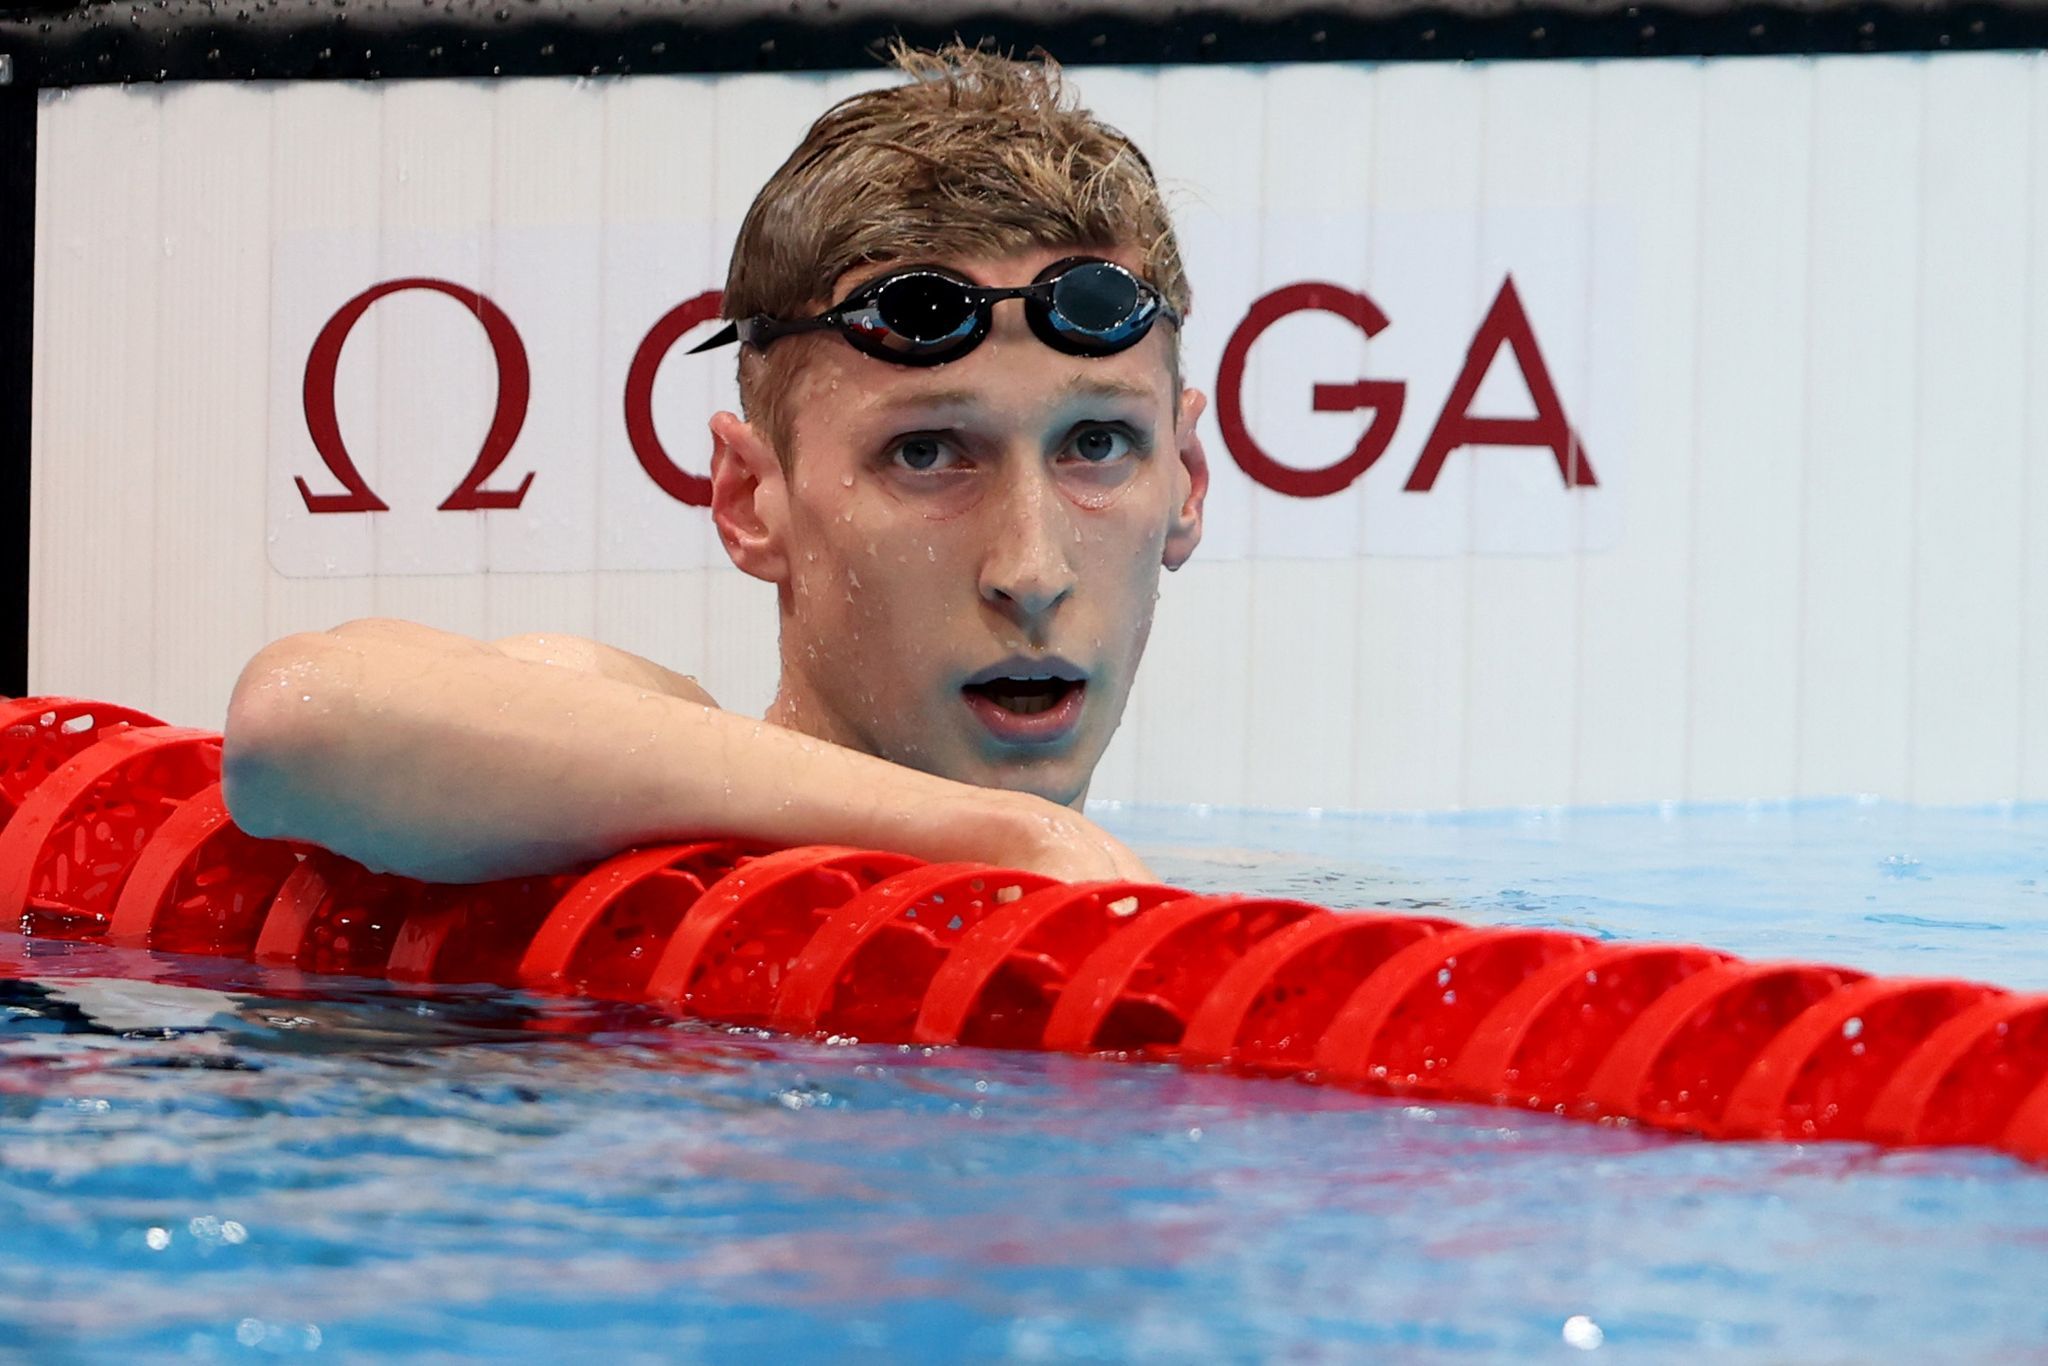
{"points": [[1403, 1027], [69, 846], [1539, 1046], [865, 971], [1267, 1013], [37, 734], [595, 941], [200, 885], [112, 827]]}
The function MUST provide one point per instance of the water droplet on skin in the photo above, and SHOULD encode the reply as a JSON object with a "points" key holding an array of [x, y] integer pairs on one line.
{"points": [[930, 553]]}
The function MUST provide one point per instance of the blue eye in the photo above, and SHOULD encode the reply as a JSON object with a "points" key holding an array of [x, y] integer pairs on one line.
{"points": [[1100, 445], [922, 454]]}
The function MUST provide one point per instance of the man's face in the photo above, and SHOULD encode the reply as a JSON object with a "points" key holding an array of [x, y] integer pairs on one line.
{"points": [[969, 554]]}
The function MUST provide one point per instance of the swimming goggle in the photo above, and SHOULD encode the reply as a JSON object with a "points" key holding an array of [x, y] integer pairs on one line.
{"points": [[927, 315]]}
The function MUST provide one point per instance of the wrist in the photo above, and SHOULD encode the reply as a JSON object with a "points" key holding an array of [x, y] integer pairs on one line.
{"points": [[990, 825]]}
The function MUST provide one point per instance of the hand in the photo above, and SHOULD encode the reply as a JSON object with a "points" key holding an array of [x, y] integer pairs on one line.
{"points": [[1035, 835]]}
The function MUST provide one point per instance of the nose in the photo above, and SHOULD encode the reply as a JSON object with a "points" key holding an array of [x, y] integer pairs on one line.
{"points": [[1028, 569]]}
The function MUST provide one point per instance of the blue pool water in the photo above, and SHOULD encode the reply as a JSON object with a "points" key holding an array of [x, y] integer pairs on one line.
{"points": [[232, 1163]]}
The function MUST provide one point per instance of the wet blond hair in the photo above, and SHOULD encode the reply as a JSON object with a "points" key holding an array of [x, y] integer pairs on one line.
{"points": [[977, 155]]}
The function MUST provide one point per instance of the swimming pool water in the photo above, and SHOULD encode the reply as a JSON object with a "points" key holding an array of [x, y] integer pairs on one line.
{"points": [[228, 1162]]}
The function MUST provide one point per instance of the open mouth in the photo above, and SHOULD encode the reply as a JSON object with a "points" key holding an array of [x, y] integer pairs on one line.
{"points": [[1028, 702], [1024, 696]]}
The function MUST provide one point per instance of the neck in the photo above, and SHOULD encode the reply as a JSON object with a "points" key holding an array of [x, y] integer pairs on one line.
{"points": [[797, 707]]}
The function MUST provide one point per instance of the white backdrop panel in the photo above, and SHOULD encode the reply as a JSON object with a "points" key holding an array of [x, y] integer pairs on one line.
{"points": [[1791, 309]]}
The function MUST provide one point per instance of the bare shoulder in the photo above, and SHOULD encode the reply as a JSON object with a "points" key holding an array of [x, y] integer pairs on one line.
{"points": [[591, 656]]}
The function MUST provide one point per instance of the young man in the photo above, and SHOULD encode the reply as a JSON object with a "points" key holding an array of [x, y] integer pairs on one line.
{"points": [[965, 457]]}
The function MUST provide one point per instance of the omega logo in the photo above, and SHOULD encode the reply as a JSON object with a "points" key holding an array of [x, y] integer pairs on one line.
{"points": [[1506, 324]]}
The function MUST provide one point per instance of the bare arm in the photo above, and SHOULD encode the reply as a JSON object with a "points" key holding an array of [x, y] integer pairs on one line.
{"points": [[573, 652], [436, 756]]}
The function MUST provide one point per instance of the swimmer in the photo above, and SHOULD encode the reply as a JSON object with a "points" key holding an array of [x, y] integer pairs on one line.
{"points": [[963, 456]]}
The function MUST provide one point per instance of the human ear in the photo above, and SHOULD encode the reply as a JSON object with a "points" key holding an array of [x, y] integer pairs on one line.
{"points": [[749, 498], [1191, 483]]}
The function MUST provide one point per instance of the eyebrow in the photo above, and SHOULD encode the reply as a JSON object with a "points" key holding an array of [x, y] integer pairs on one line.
{"points": [[1077, 387], [931, 398]]}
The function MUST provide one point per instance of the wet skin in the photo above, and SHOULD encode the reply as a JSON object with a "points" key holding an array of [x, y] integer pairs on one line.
{"points": [[967, 556]]}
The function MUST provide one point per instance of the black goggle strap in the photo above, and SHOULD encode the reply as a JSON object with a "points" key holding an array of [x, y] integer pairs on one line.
{"points": [[724, 336], [760, 330]]}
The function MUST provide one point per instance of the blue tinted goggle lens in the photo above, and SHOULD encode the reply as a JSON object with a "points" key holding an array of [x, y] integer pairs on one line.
{"points": [[1095, 298]]}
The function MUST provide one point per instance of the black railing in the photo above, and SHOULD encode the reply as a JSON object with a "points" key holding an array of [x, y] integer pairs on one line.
{"points": [[140, 40]]}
